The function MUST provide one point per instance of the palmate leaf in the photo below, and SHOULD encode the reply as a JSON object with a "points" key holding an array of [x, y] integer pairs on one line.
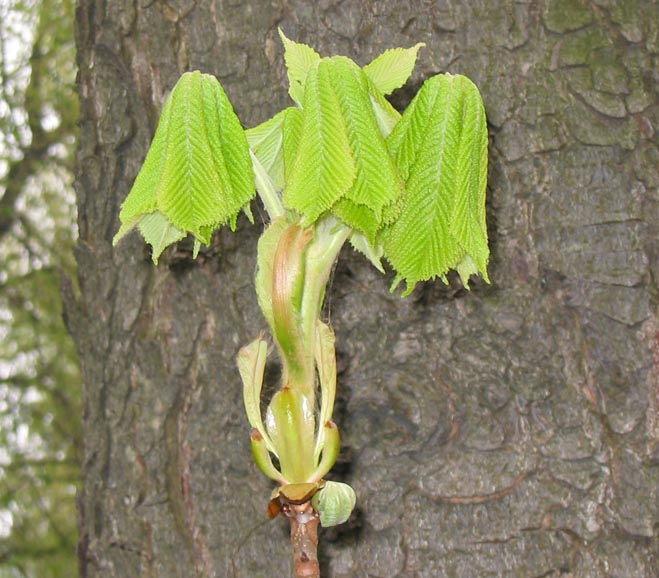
{"points": [[440, 150], [198, 172], [323, 169]]}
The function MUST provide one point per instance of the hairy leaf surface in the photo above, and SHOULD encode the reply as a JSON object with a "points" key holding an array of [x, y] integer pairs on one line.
{"points": [[323, 169], [292, 129], [468, 218], [377, 183], [198, 173], [435, 152]]}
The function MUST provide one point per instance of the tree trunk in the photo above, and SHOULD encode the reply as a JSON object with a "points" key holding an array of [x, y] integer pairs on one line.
{"points": [[510, 430]]}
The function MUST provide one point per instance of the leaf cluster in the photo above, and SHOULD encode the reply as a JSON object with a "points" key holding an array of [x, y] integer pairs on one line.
{"points": [[411, 188]]}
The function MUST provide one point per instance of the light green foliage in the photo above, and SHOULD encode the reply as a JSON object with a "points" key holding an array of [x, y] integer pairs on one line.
{"points": [[266, 141], [198, 172], [377, 183], [300, 59], [40, 429], [392, 68], [340, 165], [417, 199], [440, 146], [323, 169]]}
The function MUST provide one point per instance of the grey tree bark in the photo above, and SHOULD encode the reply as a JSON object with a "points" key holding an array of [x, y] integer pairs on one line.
{"points": [[512, 430]]}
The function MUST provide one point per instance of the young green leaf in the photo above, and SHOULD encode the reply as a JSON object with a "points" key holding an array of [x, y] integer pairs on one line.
{"points": [[359, 217], [392, 68], [468, 217], [198, 172], [434, 150], [143, 197], [377, 183], [299, 59], [323, 169]]}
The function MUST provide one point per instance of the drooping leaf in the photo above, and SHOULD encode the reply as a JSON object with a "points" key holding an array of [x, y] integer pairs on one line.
{"points": [[143, 197], [207, 176], [392, 68], [324, 168], [359, 217], [198, 172], [377, 183], [334, 503], [468, 218], [299, 59], [433, 148]]}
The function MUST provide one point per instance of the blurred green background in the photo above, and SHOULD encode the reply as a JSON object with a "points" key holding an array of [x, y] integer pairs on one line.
{"points": [[40, 432]]}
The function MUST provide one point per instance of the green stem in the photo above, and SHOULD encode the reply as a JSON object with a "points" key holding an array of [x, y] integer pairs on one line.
{"points": [[266, 190]]}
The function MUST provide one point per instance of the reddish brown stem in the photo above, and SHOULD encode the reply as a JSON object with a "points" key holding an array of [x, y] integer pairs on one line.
{"points": [[304, 538]]}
